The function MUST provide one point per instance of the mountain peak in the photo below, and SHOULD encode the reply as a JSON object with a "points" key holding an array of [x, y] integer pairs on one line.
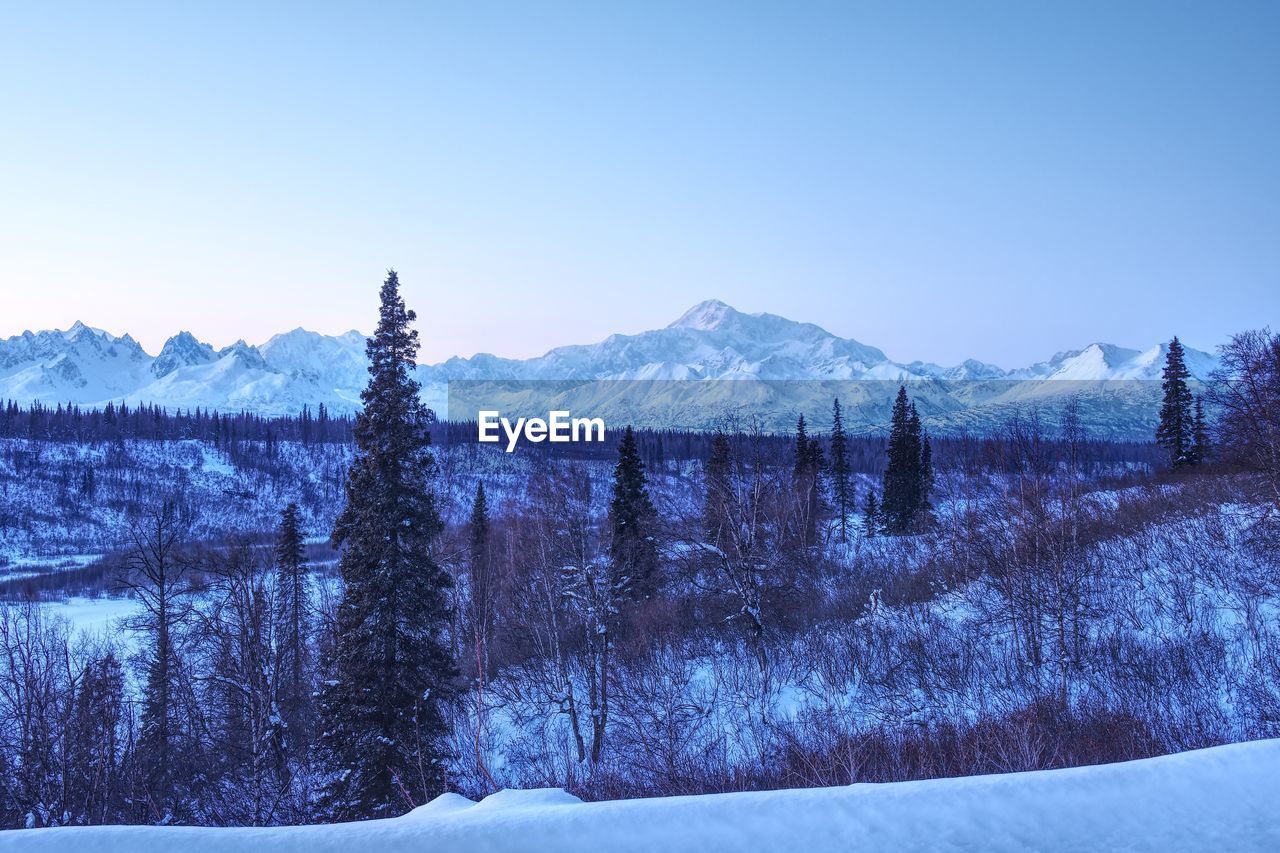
{"points": [[79, 328], [705, 316], [181, 350], [247, 355]]}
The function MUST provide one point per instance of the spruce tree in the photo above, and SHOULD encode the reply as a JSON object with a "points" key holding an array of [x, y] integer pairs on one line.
{"points": [[1200, 434], [93, 751], [293, 616], [926, 470], [842, 494], [1175, 432], [916, 444], [716, 516], [633, 550], [870, 515], [480, 566], [901, 485], [806, 480], [389, 671], [801, 458], [156, 571]]}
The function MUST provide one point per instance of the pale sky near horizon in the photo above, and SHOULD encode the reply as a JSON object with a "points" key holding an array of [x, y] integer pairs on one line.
{"points": [[940, 180]]}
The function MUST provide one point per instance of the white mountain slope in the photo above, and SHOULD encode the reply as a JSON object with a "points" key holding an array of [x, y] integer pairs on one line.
{"points": [[73, 365], [1212, 799], [90, 367]]}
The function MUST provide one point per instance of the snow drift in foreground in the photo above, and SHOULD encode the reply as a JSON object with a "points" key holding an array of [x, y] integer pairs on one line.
{"points": [[1212, 799]]}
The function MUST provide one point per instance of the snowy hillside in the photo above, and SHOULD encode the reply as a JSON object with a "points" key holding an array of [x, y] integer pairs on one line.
{"points": [[91, 367], [43, 516], [1211, 799]]}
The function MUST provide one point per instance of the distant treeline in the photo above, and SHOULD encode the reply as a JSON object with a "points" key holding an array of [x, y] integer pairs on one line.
{"points": [[866, 453], [148, 422], [71, 424]]}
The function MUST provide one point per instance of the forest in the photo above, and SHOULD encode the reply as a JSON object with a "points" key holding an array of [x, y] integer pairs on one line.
{"points": [[679, 613]]}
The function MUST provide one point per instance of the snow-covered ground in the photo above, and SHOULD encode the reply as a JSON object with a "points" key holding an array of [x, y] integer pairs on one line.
{"points": [[50, 522], [101, 618], [1212, 799]]}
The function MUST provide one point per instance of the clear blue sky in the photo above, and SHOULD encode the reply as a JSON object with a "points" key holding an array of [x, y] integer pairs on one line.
{"points": [[942, 180]]}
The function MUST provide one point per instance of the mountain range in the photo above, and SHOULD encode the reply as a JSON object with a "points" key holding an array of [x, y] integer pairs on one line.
{"points": [[90, 367]]}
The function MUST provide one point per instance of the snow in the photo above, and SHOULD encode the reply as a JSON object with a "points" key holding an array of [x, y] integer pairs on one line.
{"points": [[712, 340], [97, 617], [1214, 799], [705, 316], [531, 798]]}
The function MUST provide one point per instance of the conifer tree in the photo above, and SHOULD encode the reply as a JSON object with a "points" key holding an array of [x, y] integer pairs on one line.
{"points": [[155, 570], [902, 472], [480, 566], [389, 671], [926, 469], [1200, 433], [842, 494], [293, 647], [1175, 432], [93, 750], [870, 515], [806, 480], [716, 514], [632, 547], [801, 459], [908, 476], [916, 443]]}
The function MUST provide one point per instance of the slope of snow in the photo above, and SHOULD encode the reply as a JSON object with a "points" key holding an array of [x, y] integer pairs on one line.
{"points": [[78, 364], [332, 364], [1213, 799]]}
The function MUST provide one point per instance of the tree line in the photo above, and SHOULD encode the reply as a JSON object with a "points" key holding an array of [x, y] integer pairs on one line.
{"points": [[72, 424]]}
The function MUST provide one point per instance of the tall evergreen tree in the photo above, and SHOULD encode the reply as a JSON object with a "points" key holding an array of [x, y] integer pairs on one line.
{"points": [[389, 670], [1199, 433], [842, 494], [633, 548], [801, 458], [902, 472], [716, 513], [1176, 430], [926, 468], [293, 646], [908, 475], [480, 566], [807, 480], [870, 515], [155, 570], [93, 749]]}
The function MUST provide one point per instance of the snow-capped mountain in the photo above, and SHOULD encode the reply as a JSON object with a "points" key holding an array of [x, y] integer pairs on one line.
{"points": [[182, 350], [1107, 361], [711, 340], [80, 364], [714, 341]]}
